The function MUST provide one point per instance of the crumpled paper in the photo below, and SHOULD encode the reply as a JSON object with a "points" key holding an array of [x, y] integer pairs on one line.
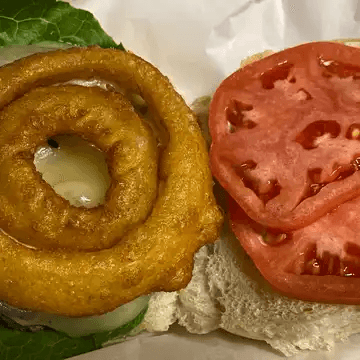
{"points": [[196, 43], [179, 345], [260, 25]]}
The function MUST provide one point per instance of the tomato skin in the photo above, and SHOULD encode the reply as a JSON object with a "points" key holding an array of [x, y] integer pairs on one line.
{"points": [[311, 94], [282, 264], [286, 147]]}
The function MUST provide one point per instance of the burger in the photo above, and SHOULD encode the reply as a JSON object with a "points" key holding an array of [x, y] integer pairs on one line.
{"points": [[226, 290]]}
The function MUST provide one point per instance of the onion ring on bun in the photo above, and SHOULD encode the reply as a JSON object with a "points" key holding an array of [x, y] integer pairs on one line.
{"points": [[155, 252]]}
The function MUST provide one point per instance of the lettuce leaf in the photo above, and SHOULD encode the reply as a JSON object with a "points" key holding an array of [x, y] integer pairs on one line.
{"points": [[45, 344], [23, 344], [24, 22]]}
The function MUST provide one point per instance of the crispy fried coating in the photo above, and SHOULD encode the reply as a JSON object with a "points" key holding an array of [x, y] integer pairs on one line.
{"points": [[107, 120], [120, 251]]}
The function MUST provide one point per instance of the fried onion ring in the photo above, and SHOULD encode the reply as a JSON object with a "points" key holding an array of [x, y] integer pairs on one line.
{"points": [[74, 261], [106, 119]]}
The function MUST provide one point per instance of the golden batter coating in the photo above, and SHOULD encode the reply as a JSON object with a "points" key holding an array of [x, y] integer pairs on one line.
{"points": [[107, 120], [124, 251]]}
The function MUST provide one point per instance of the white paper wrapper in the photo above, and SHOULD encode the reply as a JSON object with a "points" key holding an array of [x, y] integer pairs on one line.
{"points": [[178, 345], [197, 43]]}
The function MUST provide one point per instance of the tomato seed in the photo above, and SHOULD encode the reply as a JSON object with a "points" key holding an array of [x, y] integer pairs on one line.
{"points": [[280, 72], [236, 117], [342, 70], [307, 138], [353, 132], [307, 94]]}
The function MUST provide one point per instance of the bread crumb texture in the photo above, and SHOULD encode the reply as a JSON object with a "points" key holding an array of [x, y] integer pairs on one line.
{"points": [[228, 292]]}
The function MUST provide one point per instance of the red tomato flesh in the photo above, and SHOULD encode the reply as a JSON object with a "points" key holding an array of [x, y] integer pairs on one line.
{"points": [[320, 262], [286, 147], [286, 132]]}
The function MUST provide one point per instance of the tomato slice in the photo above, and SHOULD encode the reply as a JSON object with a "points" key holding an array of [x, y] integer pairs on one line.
{"points": [[286, 132], [320, 262]]}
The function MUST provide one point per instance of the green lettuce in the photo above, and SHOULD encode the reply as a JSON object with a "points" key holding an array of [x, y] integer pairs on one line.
{"points": [[24, 22], [22, 343]]}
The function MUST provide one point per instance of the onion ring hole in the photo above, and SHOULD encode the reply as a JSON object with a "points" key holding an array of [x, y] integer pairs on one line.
{"points": [[75, 169]]}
